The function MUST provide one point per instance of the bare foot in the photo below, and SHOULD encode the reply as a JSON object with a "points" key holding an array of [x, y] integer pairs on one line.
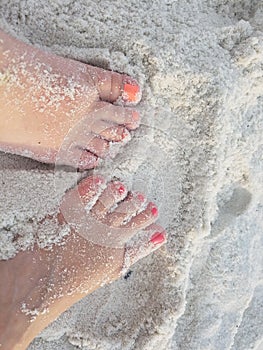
{"points": [[45, 99], [39, 284]]}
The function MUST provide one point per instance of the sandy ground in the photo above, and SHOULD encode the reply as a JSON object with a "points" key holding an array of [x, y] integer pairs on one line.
{"points": [[198, 154]]}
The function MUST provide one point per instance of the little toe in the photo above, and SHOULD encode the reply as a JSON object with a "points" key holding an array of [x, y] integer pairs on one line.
{"points": [[78, 158], [114, 86], [143, 219], [113, 193], [125, 210]]}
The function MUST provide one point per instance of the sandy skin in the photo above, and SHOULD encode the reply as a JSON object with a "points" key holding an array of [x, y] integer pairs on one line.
{"points": [[43, 97], [41, 284]]}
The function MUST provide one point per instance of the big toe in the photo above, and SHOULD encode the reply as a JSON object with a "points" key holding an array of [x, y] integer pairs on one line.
{"points": [[146, 242], [113, 87]]}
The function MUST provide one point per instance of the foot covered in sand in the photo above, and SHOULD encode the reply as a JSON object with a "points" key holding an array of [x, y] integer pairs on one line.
{"points": [[40, 284], [46, 99]]}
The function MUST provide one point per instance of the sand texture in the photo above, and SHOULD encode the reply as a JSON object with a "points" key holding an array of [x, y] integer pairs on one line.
{"points": [[198, 154]]}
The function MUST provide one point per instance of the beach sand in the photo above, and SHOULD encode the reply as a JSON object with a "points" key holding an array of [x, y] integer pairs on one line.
{"points": [[198, 155]]}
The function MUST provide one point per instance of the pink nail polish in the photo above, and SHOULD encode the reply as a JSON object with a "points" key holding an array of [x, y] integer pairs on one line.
{"points": [[125, 134], [154, 209], [131, 92], [98, 181], [141, 197], [121, 189], [157, 238]]}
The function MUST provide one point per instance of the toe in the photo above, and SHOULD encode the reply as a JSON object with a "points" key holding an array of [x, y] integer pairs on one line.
{"points": [[98, 146], [128, 117], [125, 210], [115, 115], [114, 86], [89, 187], [110, 132], [86, 161], [74, 205], [156, 234], [77, 158], [150, 239], [114, 192], [116, 134], [143, 219]]}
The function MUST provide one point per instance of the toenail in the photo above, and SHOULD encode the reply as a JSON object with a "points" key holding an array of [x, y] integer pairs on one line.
{"points": [[121, 189], [98, 181], [130, 92], [125, 134], [135, 116], [157, 238], [141, 197], [154, 209]]}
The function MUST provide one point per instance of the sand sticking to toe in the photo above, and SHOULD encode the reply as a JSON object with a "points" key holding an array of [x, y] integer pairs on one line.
{"points": [[198, 154]]}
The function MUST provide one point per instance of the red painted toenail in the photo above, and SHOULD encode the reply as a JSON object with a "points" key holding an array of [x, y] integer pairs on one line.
{"points": [[157, 238], [125, 134], [154, 209], [141, 197], [131, 92], [121, 189], [135, 116], [97, 180]]}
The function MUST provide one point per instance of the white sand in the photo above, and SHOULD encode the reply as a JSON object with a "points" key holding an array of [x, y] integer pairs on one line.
{"points": [[198, 154]]}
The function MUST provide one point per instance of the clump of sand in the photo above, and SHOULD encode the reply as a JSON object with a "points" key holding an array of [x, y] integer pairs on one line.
{"points": [[197, 155]]}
